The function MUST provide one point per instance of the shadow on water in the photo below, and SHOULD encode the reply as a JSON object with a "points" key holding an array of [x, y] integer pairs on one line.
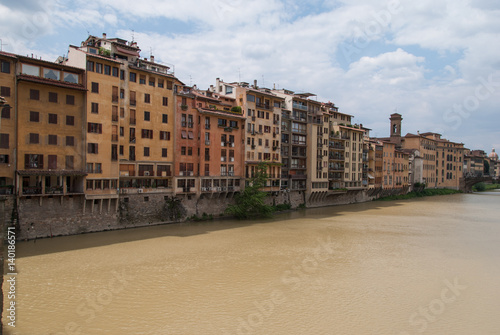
{"points": [[186, 229]]}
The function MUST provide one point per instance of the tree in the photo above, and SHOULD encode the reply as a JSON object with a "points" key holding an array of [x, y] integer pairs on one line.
{"points": [[486, 168], [250, 203]]}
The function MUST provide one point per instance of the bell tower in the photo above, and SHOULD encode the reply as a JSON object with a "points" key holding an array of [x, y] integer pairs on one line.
{"points": [[396, 128]]}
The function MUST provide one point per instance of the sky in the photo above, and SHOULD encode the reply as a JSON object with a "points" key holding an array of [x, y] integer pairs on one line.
{"points": [[437, 63]]}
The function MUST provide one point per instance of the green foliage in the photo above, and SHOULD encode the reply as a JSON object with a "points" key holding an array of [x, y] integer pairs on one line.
{"points": [[236, 109], [486, 167], [302, 206], [418, 194], [104, 52], [479, 187], [251, 202], [282, 207]]}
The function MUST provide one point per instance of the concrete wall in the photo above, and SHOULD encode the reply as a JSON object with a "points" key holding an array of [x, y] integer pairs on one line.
{"points": [[45, 216]]}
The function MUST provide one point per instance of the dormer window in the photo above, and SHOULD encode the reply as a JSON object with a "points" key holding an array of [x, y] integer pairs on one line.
{"points": [[93, 51]]}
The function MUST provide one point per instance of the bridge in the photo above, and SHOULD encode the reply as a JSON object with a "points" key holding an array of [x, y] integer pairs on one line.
{"points": [[470, 180]]}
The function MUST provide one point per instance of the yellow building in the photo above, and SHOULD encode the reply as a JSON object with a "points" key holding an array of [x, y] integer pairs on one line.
{"points": [[44, 127], [130, 118]]}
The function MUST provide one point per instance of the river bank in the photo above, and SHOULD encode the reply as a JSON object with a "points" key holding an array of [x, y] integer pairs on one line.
{"points": [[419, 194]]}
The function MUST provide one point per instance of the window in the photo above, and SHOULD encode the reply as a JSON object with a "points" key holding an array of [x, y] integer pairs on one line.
{"points": [[115, 72], [98, 169], [70, 99], [147, 98], [165, 135], [6, 113], [146, 152], [52, 162], [94, 108], [95, 88], [160, 83], [70, 162], [34, 138], [234, 124], [52, 139], [121, 150], [183, 151], [4, 141], [147, 116], [164, 118], [34, 117], [5, 91], [250, 98], [53, 118], [133, 77], [142, 79], [70, 77], [114, 152], [33, 161], [95, 128], [122, 74], [165, 101], [98, 67], [34, 94], [4, 159], [107, 70], [5, 67], [132, 98], [93, 148], [222, 122], [70, 141], [164, 152], [70, 120], [152, 82], [147, 133], [31, 70], [114, 94], [190, 151], [169, 85]]}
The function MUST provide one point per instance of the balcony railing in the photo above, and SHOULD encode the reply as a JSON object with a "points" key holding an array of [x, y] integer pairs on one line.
{"points": [[261, 105]]}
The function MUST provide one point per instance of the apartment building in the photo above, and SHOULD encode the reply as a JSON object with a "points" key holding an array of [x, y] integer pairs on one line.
{"points": [[8, 122], [130, 118], [317, 143], [262, 109], [42, 132], [449, 161], [209, 144]]}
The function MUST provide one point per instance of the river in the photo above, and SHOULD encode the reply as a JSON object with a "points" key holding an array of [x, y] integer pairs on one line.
{"points": [[421, 266]]}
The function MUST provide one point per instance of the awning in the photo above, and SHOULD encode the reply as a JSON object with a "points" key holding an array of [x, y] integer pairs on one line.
{"points": [[370, 176], [128, 52]]}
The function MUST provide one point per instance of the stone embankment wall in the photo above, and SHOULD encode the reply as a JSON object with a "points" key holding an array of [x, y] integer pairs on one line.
{"points": [[65, 215]]}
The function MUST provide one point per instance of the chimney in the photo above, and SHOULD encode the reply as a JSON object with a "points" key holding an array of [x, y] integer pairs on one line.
{"points": [[104, 35], [152, 58], [255, 83]]}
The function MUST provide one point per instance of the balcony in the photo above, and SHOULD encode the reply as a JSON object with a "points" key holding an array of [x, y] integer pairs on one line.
{"points": [[261, 105], [164, 173], [186, 173], [299, 106], [336, 157], [207, 142], [146, 173]]}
